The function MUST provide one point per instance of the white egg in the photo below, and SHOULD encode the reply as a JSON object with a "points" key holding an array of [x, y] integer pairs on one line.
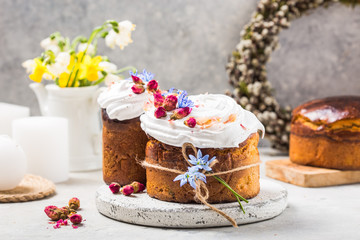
{"points": [[13, 163]]}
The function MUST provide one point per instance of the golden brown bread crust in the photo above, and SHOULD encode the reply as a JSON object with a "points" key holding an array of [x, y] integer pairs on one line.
{"points": [[324, 152], [160, 184], [326, 133], [123, 142]]}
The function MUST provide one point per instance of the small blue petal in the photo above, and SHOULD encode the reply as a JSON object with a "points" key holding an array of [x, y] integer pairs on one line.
{"points": [[193, 158], [183, 181], [192, 183], [179, 177], [199, 154]]}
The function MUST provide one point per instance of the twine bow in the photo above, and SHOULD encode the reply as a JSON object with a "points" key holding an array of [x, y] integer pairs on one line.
{"points": [[201, 191]]}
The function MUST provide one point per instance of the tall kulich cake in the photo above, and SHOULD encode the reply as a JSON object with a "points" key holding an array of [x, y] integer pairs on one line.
{"points": [[326, 133], [222, 129], [124, 141]]}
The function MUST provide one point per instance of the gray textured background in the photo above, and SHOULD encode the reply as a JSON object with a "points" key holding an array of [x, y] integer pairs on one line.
{"points": [[186, 44]]}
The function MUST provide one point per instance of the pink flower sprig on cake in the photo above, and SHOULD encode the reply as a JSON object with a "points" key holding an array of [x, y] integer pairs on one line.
{"points": [[176, 102], [142, 79]]}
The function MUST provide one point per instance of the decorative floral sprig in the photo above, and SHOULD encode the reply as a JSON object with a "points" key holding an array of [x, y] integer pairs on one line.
{"points": [[75, 63], [191, 176], [176, 102], [201, 165], [143, 79]]}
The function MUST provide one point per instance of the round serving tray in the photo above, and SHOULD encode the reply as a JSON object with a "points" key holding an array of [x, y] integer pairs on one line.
{"points": [[143, 210]]}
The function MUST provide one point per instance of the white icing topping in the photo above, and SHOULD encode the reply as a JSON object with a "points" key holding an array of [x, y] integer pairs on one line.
{"points": [[224, 133], [121, 103]]}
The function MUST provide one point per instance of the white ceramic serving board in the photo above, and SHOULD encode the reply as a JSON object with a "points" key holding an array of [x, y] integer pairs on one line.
{"points": [[143, 210]]}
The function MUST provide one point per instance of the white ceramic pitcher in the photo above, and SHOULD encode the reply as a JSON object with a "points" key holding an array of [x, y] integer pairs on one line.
{"points": [[80, 107]]}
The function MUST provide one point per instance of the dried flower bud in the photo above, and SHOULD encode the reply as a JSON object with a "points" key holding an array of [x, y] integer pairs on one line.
{"points": [[114, 187], [53, 212], [170, 102], [127, 190], [75, 218], [137, 80], [138, 88], [65, 211], [190, 122], [138, 187], [160, 112], [180, 113], [74, 203], [152, 85], [158, 100]]}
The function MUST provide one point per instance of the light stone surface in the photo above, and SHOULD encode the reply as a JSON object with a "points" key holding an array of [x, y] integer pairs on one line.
{"points": [[187, 43], [329, 213], [143, 210]]}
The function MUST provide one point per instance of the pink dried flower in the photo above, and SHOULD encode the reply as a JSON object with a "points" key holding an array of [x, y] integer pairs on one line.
{"points": [[160, 112], [53, 212], [138, 187], [64, 212], [170, 102], [152, 85], [127, 190], [114, 187], [190, 122], [74, 203], [180, 113], [136, 80], [75, 218], [138, 88], [158, 100], [75, 227]]}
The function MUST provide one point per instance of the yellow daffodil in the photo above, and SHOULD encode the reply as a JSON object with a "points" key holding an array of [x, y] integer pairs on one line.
{"points": [[89, 68], [64, 80], [39, 70]]}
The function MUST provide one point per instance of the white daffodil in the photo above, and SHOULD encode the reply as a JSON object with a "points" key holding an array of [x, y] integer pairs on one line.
{"points": [[62, 61], [29, 65], [108, 67], [126, 26], [50, 44], [121, 39], [90, 50]]}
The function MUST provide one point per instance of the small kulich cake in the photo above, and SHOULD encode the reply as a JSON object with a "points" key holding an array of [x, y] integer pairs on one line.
{"points": [[123, 139], [326, 133], [223, 129]]}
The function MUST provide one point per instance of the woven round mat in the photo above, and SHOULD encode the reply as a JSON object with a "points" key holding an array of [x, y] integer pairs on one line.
{"points": [[30, 188]]}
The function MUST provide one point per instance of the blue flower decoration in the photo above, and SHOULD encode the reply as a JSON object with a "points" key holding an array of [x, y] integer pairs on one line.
{"points": [[201, 162], [191, 176], [183, 100], [170, 91], [145, 76]]}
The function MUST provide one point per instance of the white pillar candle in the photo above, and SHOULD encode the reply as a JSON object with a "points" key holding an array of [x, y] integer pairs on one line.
{"points": [[45, 143], [12, 163], [8, 113]]}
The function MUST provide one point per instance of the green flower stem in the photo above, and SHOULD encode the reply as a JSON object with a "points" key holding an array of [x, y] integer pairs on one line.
{"points": [[232, 190], [125, 69], [238, 199]]}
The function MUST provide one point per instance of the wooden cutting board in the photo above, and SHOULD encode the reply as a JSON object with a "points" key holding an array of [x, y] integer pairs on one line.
{"points": [[306, 176]]}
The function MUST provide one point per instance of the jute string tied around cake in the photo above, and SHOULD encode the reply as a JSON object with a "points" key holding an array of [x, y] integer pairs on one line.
{"points": [[201, 191]]}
